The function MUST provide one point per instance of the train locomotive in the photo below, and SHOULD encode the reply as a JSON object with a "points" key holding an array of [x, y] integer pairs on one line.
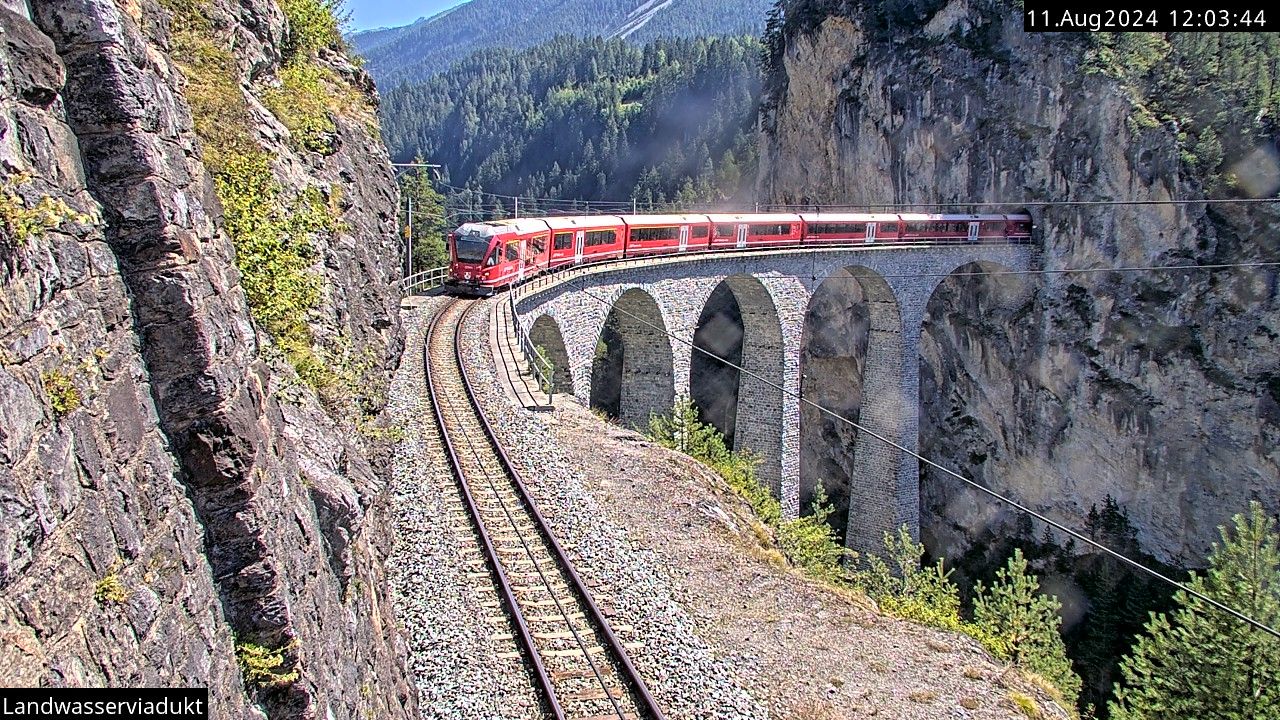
{"points": [[485, 257]]}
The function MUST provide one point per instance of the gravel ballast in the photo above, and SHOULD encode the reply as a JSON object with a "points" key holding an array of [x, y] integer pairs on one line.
{"points": [[453, 656]]}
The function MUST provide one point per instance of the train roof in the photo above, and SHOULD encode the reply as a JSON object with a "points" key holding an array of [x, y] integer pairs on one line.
{"points": [[495, 227], [918, 217], [582, 221], [848, 217], [643, 220], [753, 217]]}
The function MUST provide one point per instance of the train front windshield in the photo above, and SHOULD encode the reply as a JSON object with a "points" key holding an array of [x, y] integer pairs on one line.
{"points": [[470, 248]]}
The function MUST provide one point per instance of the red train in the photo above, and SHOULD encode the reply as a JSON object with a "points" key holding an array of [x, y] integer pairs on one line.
{"points": [[487, 256]]}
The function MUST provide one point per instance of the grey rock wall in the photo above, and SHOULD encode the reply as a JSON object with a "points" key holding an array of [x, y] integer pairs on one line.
{"points": [[89, 491], [227, 500], [1156, 388]]}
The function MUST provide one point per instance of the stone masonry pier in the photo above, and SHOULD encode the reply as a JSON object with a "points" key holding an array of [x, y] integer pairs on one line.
{"points": [[651, 297]]}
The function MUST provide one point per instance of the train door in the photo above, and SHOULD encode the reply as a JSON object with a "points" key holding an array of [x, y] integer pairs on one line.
{"points": [[973, 232], [578, 240], [871, 232], [742, 236], [684, 237], [522, 258]]}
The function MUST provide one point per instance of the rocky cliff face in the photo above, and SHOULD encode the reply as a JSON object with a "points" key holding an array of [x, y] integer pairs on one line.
{"points": [[1159, 388], [171, 493]]}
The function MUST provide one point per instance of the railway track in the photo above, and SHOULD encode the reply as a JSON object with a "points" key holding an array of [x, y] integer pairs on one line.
{"points": [[579, 666]]}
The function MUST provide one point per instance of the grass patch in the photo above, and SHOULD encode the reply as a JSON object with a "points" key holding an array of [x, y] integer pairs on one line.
{"points": [[301, 103], [23, 221], [274, 254], [1026, 705], [63, 395], [271, 227], [262, 666], [110, 590], [807, 542]]}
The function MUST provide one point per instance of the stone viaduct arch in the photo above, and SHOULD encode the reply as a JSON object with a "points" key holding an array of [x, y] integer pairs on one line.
{"points": [[546, 334], [897, 282], [758, 395]]}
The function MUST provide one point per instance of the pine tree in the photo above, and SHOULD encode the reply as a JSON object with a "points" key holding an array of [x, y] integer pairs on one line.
{"points": [[1200, 662], [429, 223], [1027, 625]]}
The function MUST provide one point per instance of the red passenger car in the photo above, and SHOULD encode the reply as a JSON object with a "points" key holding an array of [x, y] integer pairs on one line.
{"points": [[754, 231], [575, 240], [846, 228], [657, 234]]}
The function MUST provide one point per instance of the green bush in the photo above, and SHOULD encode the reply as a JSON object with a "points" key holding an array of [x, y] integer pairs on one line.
{"points": [[23, 221], [807, 542], [110, 589], [261, 666], [272, 236], [1012, 620], [811, 543], [63, 395], [313, 24], [302, 104]]}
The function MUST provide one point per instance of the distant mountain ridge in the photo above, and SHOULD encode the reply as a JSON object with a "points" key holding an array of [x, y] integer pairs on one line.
{"points": [[414, 52]]}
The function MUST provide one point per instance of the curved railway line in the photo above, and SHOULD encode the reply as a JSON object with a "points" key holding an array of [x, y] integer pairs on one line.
{"points": [[579, 666]]}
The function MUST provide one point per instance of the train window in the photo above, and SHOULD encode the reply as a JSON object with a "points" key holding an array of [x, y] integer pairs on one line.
{"points": [[600, 237], [993, 228], [915, 227], [513, 251], [562, 241], [849, 229], [888, 229], [769, 229], [538, 244], [724, 230], [655, 233], [700, 231]]}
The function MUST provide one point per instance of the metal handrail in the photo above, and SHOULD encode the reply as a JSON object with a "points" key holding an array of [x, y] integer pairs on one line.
{"points": [[424, 280], [541, 367]]}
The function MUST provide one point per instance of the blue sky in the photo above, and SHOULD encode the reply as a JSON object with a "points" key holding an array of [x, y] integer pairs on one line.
{"points": [[368, 14]]}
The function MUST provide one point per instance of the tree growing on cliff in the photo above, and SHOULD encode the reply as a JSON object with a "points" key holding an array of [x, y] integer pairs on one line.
{"points": [[1199, 662], [1026, 625]]}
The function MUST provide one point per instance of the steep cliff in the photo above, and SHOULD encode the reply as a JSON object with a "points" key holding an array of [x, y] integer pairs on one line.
{"points": [[1157, 387], [189, 485]]}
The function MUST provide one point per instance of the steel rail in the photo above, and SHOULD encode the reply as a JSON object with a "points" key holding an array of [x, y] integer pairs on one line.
{"points": [[579, 586], [504, 585]]}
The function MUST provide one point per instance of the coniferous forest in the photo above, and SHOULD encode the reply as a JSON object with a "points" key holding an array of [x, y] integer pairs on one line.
{"points": [[671, 121]]}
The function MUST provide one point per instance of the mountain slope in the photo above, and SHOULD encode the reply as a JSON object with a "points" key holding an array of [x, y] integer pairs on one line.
{"points": [[589, 118], [432, 44]]}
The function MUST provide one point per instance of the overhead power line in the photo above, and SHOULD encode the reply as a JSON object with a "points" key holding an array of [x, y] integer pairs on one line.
{"points": [[1079, 271], [972, 483], [1031, 203]]}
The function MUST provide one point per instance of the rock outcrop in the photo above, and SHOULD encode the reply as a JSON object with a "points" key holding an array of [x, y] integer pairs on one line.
{"points": [[1156, 387], [170, 492]]}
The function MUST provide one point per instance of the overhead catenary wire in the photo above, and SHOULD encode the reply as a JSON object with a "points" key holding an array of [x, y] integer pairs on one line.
{"points": [[1082, 271], [988, 491]]}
